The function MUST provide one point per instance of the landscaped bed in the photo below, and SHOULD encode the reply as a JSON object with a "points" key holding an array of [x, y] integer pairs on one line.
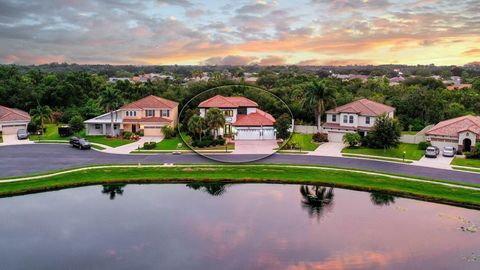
{"points": [[439, 191], [411, 151], [304, 141]]}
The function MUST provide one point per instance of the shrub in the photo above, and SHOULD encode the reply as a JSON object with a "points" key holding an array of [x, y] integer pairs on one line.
{"points": [[76, 124], [168, 132], [220, 141], [424, 145], [56, 116], [139, 133], [320, 137], [352, 139], [127, 134], [149, 145]]}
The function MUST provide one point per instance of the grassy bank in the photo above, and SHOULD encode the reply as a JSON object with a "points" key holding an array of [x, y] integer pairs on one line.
{"points": [[411, 151], [304, 141], [251, 173]]}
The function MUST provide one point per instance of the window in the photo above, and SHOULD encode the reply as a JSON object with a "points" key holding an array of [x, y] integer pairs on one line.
{"points": [[131, 113], [150, 113], [367, 120], [334, 118], [115, 126], [228, 113], [227, 130], [242, 110], [98, 126], [351, 119], [345, 119], [165, 113]]}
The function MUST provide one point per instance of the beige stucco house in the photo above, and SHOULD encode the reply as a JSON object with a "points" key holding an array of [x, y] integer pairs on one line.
{"points": [[147, 115]]}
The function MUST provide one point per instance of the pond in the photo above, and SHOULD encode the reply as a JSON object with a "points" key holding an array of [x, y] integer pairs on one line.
{"points": [[244, 226]]}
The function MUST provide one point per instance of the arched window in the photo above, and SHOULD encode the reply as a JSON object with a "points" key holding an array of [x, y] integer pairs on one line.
{"points": [[351, 119]]}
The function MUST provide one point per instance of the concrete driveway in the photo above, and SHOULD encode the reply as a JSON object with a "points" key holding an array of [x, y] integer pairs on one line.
{"points": [[329, 149], [263, 147], [440, 162], [127, 148], [12, 140]]}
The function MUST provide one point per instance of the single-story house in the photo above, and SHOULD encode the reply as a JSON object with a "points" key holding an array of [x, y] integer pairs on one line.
{"points": [[147, 115], [462, 133], [358, 116], [12, 120], [243, 119]]}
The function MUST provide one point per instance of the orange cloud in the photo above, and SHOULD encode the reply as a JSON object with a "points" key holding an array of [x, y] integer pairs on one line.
{"points": [[472, 52]]}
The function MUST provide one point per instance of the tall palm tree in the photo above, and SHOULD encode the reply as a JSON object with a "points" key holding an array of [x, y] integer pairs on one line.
{"points": [[196, 125], [316, 199], [381, 199], [41, 113], [214, 189], [111, 100], [319, 96], [215, 119]]}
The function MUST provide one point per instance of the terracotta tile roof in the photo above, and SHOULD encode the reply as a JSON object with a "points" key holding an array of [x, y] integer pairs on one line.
{"points": [[146, 119], [258, 118], [151, 102], [10, 114], [363, 107], [220, 101], [453, 126], [337, 126]]}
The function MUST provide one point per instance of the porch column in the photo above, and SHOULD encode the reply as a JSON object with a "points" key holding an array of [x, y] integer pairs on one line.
{"points": [[104, 127]]}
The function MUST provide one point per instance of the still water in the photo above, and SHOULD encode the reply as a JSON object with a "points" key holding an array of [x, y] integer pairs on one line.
{"points": [[245, 226]]}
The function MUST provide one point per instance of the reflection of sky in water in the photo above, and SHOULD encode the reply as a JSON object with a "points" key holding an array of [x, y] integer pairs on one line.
{"points": [[250, 226]]}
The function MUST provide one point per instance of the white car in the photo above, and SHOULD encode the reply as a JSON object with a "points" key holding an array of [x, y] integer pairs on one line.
{"points": [[449, 151]]}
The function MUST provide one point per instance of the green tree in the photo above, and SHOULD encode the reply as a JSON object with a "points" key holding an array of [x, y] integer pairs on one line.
{"points": [[41, 114], [76, 124], [352, 139], [168, 132], [381, 199], [316, 199], [196, 125], [318, 96], [111, 100], [385, 133], [215, 119], [113, 190], [283, 126]]}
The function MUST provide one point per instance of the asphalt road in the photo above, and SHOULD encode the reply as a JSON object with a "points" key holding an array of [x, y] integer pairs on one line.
{"points": [[34, 158]]}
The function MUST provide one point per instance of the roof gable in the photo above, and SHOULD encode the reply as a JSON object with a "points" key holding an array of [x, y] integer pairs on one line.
{"points": [[363, 107], [151, 102], [11, 114], [258, 118], [220, 101]]}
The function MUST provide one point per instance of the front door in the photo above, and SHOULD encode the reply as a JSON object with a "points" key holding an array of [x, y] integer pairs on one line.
{"points": [[467, 145], [134, 128], [227, 130]]}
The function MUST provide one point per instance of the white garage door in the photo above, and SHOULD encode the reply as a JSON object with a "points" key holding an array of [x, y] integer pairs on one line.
{"points": [[152, 131], [12, 129], [335, 136], [269, 134], [441, 145], [248, 134]]}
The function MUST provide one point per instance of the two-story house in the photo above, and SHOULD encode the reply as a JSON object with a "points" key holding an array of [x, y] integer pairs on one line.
{"points": [[358, 116], [243, 119], [147, 115]]}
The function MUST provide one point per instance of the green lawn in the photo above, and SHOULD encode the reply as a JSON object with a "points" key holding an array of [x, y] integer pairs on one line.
{"points": [[171, 144], [411, 151], [472, 162], [304, 141], [1, 138], [52, 134], [250, 173]]}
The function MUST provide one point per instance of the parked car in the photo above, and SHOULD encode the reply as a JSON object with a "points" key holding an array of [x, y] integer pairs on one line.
{"points": [[22, 134], [449, 151], [432, 152], [80, 143]]}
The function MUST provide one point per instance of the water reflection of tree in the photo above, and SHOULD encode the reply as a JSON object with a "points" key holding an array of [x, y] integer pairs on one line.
{"points": [[113, 190], [381, 199], [214, 189], [316, 199]]}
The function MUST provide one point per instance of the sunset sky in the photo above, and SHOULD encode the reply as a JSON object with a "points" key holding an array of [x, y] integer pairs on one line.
{"points": [[309, 32]]}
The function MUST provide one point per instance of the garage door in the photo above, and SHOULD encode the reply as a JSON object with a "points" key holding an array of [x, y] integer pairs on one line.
{"points": [[12, 129], [248, 134], [152, 131], [269, 134], [335, 136], [441, 145]]}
